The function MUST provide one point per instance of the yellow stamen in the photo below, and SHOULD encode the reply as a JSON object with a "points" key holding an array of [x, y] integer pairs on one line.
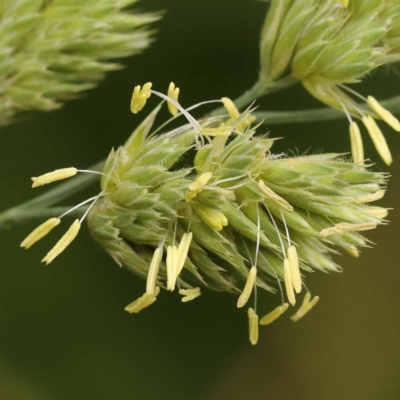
{"points": [[243, 125], [197, 186], [176, 257], [229, 194], [357, 149], [172, 267], [54, 176], [288, 282], [353, 251], [235, 114], [63, 243], [344, 3], [386, 115], [183, 249], [140, 96], [271, 195], [153, 271], [369, 198], [305, 307], [345, 227], [294, 268], [215, 219], [190, 294], [274, 314], [142, 302], [378, 139], [223, 130], [173, 93], [40, 232], [230, 107], [253, 326], [377, 212], [248, 287]]}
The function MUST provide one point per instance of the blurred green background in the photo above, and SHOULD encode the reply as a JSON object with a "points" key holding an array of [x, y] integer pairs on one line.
{"points": [[64, 333]]}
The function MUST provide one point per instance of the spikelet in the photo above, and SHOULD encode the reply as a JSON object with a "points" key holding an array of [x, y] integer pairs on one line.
{"points": [[328, 44], [53, 50], [236, 219]]}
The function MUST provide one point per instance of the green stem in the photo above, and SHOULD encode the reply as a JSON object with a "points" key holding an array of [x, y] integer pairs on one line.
{"points": [[259, 89], [317, 114], [38, 208], [19, 215]]}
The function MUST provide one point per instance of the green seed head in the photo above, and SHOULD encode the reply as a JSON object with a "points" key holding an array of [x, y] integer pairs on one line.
{"points": [[323, 39], [248, 209], [51, 50], [328, 43], [208, 205]]}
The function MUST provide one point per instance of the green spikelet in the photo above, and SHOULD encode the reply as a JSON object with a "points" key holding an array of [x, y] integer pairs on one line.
{"points": [[144, 206], [325, 41], [52, 50], [326, 45], [207, 205]]}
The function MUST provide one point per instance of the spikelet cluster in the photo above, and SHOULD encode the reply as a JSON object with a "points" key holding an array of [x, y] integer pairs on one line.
{"points": [[326, 44], [52, 50], [208, 205], [254, 219]]}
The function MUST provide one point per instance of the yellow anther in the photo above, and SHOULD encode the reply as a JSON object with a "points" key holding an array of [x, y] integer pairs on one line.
{"points": [[142, 302], [197, 186], [63, 243], [176, 257], [271, 195], [54, 176], [344, 3], [224, 130], [215, 219], [248, 287], [183, 249], [40, 232], [353, 251], [172, 266], [253, 326], [357, 149], [294, 268], [378, 139], [229, 194], [230, 107], [235, 114], [140, 96], [189, 294], [346, 227], [386, 115], [173, 93], [243, 125], [369, 198], [287, 277], [305, 307], [274, 314], [377, 212], [153, 271]]}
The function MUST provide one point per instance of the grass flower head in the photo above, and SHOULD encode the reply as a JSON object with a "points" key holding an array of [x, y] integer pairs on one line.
{"points": [[233, 217]]}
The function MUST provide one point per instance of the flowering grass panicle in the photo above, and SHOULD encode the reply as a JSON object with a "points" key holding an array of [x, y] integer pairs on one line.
{"points": [[52, 50], [327, 44], [207, 205]]}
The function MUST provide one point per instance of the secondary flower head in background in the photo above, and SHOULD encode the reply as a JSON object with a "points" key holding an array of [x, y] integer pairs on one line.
{"points": [[52, 50], [233, 217], [327, 44]]}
